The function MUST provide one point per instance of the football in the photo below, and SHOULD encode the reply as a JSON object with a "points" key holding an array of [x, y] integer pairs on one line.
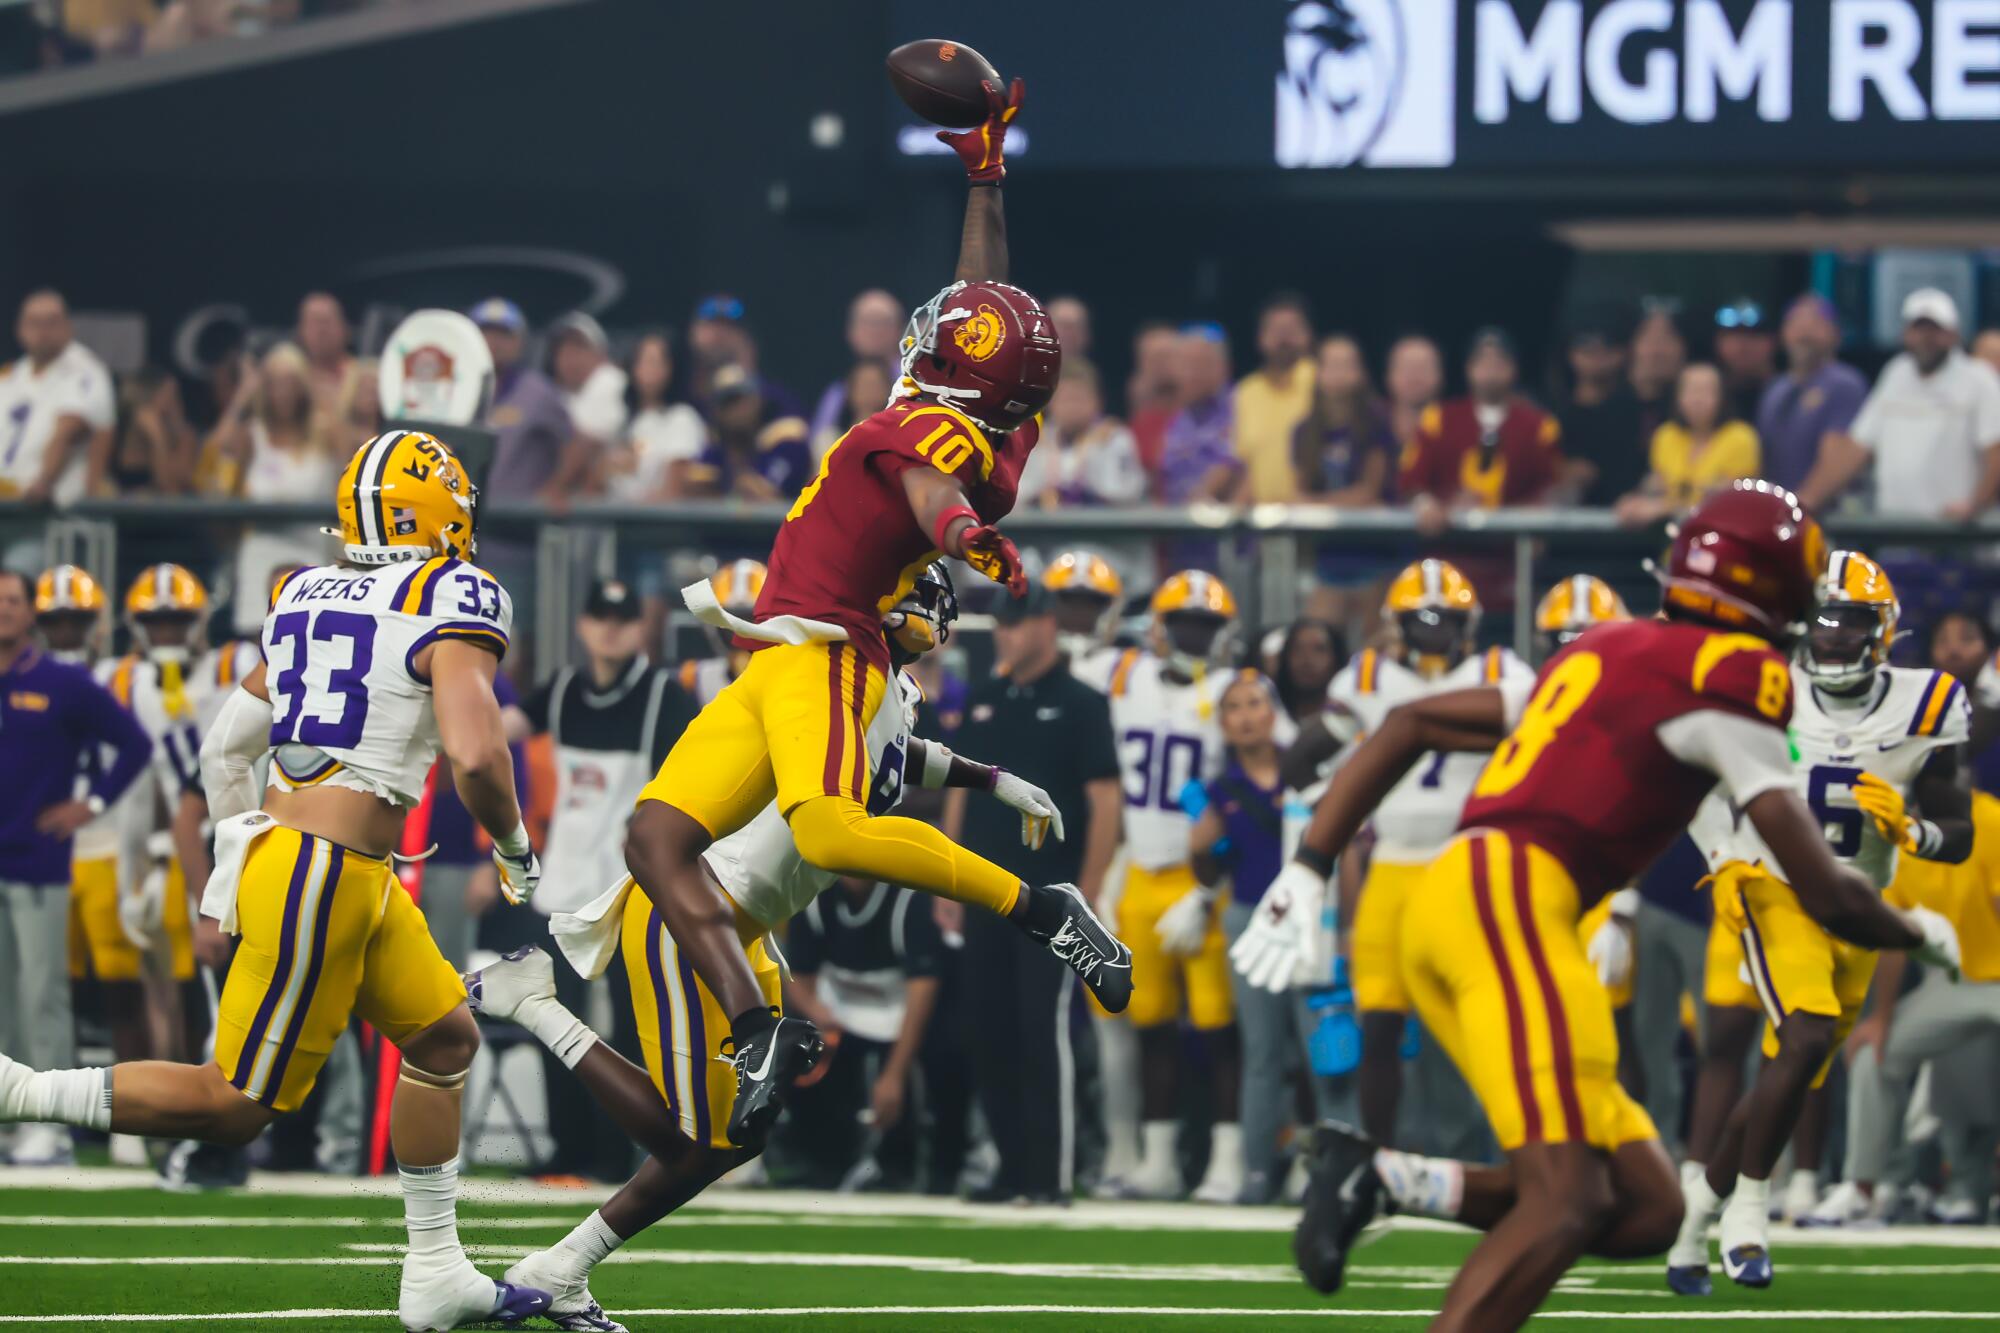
{"points": [[939, 80]]}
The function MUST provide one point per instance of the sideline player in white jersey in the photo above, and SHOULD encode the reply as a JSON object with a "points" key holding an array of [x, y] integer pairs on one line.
{"points": [[372, 666], [1166, 713], [677, 1107], [1432, 612], [1088, 598], [1876, 754], [737, 585]]}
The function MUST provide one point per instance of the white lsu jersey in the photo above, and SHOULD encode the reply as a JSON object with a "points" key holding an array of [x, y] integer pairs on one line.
{"points": [[1169, 734], [349, 707], [759, 866], [705, 677], [1890, 732], [1420, 813]]}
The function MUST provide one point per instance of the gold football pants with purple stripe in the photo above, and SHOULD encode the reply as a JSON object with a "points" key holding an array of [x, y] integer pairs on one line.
{"points": [[328, 933]]}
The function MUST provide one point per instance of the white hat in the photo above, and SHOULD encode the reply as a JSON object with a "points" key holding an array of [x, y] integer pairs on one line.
{"points": [[1931, 304]]}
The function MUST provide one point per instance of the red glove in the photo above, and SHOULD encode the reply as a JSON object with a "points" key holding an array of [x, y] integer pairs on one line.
{"points": [[981, 147], [988, 551]]}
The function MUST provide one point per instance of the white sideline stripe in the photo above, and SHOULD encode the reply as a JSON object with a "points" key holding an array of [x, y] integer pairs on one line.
{"points": [[809, 1208], [1161, 1311], [519, 1222]]}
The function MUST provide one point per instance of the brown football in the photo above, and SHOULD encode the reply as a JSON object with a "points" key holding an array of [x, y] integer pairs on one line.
{"points": [[939, 80]]}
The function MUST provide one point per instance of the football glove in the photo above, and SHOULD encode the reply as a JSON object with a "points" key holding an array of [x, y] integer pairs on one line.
{"points": [[1881, 802], [1280, 947], [1039, 816], [1940, 946], [142, 915], [982, 148], [520, 869], [1183, 928], [988, 550], [1610, 947]]}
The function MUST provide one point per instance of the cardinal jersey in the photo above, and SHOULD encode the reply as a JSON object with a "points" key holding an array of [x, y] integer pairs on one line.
{"points": [[850, 547], [1169, 734], [1420, 813], [1891, 732], [760, 868], [1623, 738], [349, 706]]}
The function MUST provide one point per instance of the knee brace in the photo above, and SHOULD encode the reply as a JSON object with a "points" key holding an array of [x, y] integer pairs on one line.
{"points": [[424, 1078]]}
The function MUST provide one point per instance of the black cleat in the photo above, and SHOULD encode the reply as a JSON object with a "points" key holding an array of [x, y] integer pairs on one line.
{"points": [[1343, 1196], [1059, 917], [766, 1066]]}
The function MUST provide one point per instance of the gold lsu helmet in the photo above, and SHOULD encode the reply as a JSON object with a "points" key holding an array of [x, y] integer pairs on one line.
{"points": [[739, 584], [1853, 623], [165, 594], [1434, 611], [1193, 614], [405, 496], [68, 590], [1573, 606], [1088, 595]]}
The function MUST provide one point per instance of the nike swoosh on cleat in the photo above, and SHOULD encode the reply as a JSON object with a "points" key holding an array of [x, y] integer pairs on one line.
{"points": [[1348, 1187], [763, 1071]]}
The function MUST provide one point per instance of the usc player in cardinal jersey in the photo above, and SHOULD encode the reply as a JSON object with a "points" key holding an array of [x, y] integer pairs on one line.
{"points": [[1626, 732], [928, 475]]}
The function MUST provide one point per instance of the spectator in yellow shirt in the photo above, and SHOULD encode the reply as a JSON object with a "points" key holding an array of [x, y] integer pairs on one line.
{"points": [[1701, 449], [1271, 401]]}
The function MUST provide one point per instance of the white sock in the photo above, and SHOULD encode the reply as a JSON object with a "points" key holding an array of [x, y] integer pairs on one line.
{"points": [[430, 1209], [586, 1247], [1751, 1196], [1690, 1248], [1803, 1180], [79, 1097], [555, 1027], [1159, 1138], [1427, 1186], [1702, 1200], [1691, 1171]]}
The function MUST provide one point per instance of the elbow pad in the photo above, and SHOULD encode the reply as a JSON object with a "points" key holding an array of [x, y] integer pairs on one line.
{"points": [[229, 753]]}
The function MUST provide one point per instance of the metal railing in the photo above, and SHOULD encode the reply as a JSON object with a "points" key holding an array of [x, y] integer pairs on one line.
{"points": [[1266, 553]]}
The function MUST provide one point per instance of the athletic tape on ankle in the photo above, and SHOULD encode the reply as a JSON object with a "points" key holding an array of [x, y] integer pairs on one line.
{"points": [[424, 1078]]}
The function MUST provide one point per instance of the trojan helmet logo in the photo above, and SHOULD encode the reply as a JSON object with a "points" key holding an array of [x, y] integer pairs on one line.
{"points": [[1341, 77], [981, 334]]}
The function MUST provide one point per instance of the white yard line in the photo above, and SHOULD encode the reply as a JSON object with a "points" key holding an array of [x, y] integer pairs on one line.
{"points": [[1094, 1311]]}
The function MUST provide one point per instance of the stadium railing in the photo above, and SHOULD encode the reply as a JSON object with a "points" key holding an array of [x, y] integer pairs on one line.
{"points": [[1269, 555]]}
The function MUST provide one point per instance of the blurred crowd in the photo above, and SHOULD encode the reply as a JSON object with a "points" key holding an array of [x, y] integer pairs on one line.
{"points": [[51, 34]]}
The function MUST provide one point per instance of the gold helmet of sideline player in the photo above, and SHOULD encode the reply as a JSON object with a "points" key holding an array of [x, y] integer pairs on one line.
{"points": [[404, 496], [1434, 613], [166, 608], [1194, 615], [1088, 595], [1573, 606], [69, 608], [737, 586], [1853, 623]]}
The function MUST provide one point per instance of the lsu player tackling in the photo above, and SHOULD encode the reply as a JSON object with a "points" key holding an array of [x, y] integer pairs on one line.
{"points": [[1432, 612], [1624, 734], [1166, 704], [371, 668], [929, 475], [677, 1107], [1877, 756]]}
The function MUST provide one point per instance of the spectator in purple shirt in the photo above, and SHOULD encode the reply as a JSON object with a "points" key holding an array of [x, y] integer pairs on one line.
{"points": [[720, 335], [52, 715], [874, 334], [1199, 460], [1816, 394], [755, 451]]}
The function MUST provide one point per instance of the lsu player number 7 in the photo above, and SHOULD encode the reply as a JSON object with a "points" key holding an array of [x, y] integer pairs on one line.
{"points": [[371, 667], [1878, 752]]}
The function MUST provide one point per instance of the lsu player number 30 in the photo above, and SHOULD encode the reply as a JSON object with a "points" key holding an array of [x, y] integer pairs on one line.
{"points": [[372, 667], [1596, 771]]}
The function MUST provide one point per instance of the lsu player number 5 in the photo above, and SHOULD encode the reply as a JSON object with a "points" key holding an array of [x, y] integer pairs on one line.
{"points": [[372, 667]]}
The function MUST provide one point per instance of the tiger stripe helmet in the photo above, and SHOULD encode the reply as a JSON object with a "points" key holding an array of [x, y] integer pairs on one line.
{"points": [[1193, 614], [405, 496], [1434, 611], [1088, 596], [739, 584], [1853, 623], [68, 589], [166, 590], [1574, 605]]}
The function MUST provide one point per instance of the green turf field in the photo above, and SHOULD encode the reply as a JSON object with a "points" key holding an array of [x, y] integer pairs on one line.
{"points": [[107, 1257]]}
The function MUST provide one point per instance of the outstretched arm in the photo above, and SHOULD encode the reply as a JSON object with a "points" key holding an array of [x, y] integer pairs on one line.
{"points": [[939, 506], [937, 766], [982, 245]]}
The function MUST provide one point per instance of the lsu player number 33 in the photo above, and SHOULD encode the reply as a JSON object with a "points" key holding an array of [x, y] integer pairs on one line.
{"points": [[372, 667], [1596, 771]]}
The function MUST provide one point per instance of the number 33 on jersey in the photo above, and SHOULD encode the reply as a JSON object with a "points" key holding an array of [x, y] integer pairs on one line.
{"points": [[340, 649]]}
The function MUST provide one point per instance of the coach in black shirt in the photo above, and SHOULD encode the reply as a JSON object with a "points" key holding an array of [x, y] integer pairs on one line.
{"points": [[1035, 719]]}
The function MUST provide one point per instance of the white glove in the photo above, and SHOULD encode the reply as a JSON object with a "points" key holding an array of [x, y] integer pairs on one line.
{"points": [[1039, 816], [142, 915], [520, 869], [1610, 947], [1280, 947], [1940, 946], [1183, 928]]}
